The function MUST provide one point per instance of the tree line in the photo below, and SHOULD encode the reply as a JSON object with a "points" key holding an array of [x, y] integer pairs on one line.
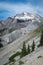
{"points": [[25, 51], [28, 50]]}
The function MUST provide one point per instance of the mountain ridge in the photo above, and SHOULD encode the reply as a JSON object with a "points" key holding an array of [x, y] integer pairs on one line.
{"points": [[22, 16]]}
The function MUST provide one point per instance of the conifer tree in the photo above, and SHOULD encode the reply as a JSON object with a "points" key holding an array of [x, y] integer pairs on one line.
{"points": [[1, 45], [28, 49], [33, 46], [41, 40], [23, 53]]}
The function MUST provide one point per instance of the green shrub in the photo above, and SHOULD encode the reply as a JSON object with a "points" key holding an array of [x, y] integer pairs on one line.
{"points": [[14, 55], [21, 62]]}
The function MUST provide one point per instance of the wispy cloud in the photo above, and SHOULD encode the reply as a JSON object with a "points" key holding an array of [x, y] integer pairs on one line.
{"points": [[13, 9]]}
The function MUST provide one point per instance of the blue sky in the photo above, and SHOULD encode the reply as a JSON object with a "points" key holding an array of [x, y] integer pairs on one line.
{"points": [[13, 7]]}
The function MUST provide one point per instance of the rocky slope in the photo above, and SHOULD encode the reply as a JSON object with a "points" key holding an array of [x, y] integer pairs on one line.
{"points": [[19, 25], [16, 45], [22, 27]]}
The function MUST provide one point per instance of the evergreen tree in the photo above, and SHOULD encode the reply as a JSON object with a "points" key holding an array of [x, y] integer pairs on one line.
{"points": [[41, 40], [28, 50], [33, 46], [0, 40], [24, 52], [1, 45]]}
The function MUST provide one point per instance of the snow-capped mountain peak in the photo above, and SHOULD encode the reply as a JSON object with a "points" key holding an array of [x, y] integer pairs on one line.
{"points": [[24, 16], [25, 13], [22, 20], [30, 17]]}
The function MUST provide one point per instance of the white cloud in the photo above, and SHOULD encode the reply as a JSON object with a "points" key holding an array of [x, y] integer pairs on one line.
{"points": [[18, 8]]}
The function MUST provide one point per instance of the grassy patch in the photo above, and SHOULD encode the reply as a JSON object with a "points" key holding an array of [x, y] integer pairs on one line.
{"points": [[11, 30]]}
